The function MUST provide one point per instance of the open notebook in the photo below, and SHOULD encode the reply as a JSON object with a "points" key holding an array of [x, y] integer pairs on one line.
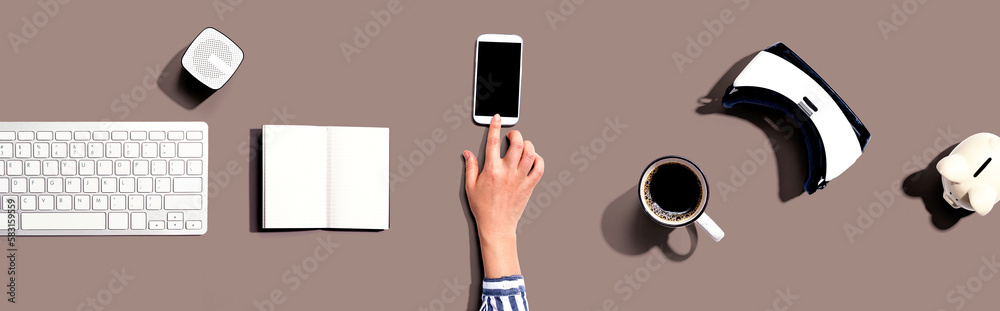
{"points": [[325, 177]]}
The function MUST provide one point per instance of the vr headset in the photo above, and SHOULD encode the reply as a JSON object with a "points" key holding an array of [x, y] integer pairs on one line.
{"points": [[778, 79]]}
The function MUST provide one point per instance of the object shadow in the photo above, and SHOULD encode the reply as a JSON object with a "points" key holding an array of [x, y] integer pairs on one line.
{"points": [[783, 133], [629, 231], [182, 87], [926, 185], [255, 175]]}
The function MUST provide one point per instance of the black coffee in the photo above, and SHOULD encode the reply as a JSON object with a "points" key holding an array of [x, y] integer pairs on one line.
{"points": [[675, 188]]}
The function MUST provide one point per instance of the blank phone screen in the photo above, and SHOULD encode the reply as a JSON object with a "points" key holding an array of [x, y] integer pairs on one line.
{"points": [[498, 79]]}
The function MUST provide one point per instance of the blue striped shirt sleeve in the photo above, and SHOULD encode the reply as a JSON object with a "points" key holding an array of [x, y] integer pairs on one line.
{"points": [[504, 294]]}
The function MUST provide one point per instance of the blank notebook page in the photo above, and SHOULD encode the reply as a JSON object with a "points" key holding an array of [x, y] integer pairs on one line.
{"points": [[294, 156], [359, 177]]}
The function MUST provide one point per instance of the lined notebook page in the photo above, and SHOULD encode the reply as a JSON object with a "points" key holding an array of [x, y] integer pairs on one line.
{"points": [[295, 181], [358, 177]]}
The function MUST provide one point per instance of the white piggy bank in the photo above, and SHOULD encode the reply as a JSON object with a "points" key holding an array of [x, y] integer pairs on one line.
{"points": [[971, 173]]}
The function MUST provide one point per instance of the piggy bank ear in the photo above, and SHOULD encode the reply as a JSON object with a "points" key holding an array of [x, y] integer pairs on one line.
{"points": [[982, 198], [954, 168]]}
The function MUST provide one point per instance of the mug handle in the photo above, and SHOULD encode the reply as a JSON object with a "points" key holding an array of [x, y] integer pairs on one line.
{"points": [[710, 227]]}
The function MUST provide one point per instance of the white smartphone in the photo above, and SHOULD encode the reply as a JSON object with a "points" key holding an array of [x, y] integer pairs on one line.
{"points": [[498, 79]]}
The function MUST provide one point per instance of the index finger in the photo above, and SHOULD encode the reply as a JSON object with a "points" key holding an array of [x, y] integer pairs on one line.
{"points": [[493, 140]]}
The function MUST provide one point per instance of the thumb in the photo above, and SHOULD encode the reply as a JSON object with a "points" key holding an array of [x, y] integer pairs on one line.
{"points": [[471, 168]]}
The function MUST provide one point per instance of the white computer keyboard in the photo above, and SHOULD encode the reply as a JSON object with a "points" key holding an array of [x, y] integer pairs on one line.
{"points": [[104, 178]]}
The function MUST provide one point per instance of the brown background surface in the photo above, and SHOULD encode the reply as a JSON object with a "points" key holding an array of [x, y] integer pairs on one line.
{"points": [[608, 60]]}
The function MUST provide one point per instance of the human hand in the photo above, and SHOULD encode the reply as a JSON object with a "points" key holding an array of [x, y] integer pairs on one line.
{"points": [[498, 196]]}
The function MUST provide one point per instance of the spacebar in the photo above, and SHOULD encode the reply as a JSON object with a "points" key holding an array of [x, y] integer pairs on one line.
{"points": [[62, 221]]}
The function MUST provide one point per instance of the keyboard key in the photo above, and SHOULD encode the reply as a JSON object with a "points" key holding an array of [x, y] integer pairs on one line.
{"points": [[174, 225], [176, 167], [159, 167], [109, 185], [7, 136], [194, 135], [24, 135], [155, 225], [100, 203], [138, 221], [27, 203], [68, 167], [50, 168], [14, 168], [32, 168], [81, 203], [118, 202], [59, 150], [131, 150], [105, 167], [4, 185], [113, 150], [153, 202], [138, 135], [81, 135], [64, 202], [163, 185], [36, 185], [140, 167], [91, 185], [175, 216], [6, 150], [102, 135], [46, 203], [182, 202], [144, 185], [135, 202], [73, 185], [117, 221], [22, 150], [41, 150], [119, 135], [157, 135], [10, 203], [123, 168], [55, 184], [187, 184], [87, 167], [193, 224], [63, 136], [175, 135], [77, 150], [95, 150], [148, 150], [18, 185], [126, 185], [167, 150], [43, 135], [62, 221], [194, 167], [189, 150]]}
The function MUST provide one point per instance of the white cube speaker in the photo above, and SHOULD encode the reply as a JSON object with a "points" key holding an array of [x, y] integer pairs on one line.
{"points": [[212, 58]]}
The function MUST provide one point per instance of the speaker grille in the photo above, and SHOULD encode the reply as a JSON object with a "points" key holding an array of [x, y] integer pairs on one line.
{"points": [[207, 48], [212, 58]]}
